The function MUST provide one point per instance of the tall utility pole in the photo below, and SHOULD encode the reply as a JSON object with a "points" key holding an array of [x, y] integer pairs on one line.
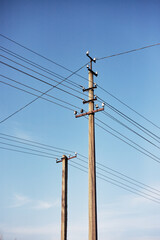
{"points": [[64, 161], [91, 159]]}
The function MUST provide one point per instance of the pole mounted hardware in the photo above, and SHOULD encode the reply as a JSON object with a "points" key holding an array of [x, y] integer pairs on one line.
{"points": [[90, 70], [64, 156], [88, 113], [92, 59], [91, 100], [87, 89]]}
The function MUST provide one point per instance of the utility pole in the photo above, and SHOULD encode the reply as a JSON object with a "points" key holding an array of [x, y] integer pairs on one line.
{"points": [[64, 161], [93, 233]]}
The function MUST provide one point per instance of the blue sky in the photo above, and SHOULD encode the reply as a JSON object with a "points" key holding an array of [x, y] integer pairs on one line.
{"points": [[63, 31]]}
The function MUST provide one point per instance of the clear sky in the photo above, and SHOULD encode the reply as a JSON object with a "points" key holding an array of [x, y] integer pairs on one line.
{"points": [[30, 202]]}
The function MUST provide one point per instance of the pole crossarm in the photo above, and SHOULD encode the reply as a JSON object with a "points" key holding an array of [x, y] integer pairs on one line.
{"points": [[91, 100], [92, 59], [87, 89], [90, 112], [64, 157], [90, 70]]}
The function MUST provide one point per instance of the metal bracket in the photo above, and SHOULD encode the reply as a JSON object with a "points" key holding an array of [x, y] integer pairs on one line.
{"points": [[91, 100], [87, 89], [94, 73], [65, 157], [92, 59], [91, 112]]}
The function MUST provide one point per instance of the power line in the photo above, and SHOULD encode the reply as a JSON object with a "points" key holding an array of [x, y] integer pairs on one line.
{"points": [[43, 75], [35, 142], [34, 154], [126, 105], [133, 122], [41, 80], [27, 86], [129, 51], [30, 149], [112, 181], [42, 56], [115, 171], [124, 125], [33, 94], [118, 183], [33, 145], [149, 154], [60, 150], [28, 104], [137, 125], [46, 70], [129, 178], [133, 182]]}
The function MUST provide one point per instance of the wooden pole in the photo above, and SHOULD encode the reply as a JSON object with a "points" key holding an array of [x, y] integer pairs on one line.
{"points": [[92, 164], [64, 198]]}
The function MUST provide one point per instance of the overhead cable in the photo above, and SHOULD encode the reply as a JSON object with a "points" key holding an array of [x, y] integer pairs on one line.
{"points": [[46, 70], [71, 88], [27, 86], [40, 55], [126, 105], [29, 103], [129, 51], [145, 151]]}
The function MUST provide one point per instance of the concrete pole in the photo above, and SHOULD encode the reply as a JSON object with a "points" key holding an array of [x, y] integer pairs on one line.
{"points": [[64, 198], [92, 165]]}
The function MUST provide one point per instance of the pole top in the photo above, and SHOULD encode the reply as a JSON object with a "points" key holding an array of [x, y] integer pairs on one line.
{"points": [[92, 59]]}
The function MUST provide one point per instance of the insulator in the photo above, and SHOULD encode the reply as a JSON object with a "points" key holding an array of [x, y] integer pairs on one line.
{"points": [[103, 104]]}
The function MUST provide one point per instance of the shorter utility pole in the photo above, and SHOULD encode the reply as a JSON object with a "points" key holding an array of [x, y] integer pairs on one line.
{"points": [[64, 161]]}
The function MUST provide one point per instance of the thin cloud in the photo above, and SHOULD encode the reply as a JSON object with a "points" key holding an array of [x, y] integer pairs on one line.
{"points": [[24, 201], [40, 205], [20, 200]]}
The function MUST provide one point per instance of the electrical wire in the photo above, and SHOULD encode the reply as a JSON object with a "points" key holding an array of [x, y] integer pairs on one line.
{"points": [[41, 80], [118, 183], [51, 148], [126, 105], [46, 70], [33, 94], [130, 120], [149, 154], [124, 125], [34, 154], [29, 103], [71, 88], [30, 149], [156, 191], [35, 142], [114, 180], [146, 132], [129, 51], [111, 180], [27, 86], [33, 145], [59, 65], [128, 180]]}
